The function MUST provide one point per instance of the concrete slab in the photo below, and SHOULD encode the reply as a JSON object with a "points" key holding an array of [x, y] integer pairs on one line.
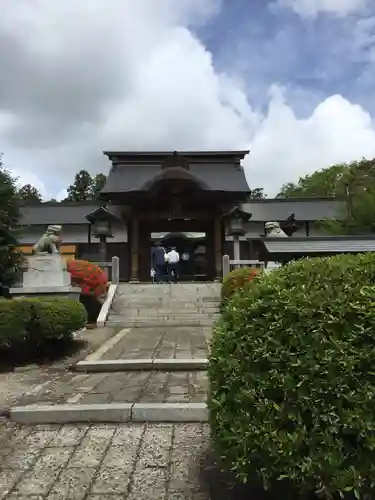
{"points": [[169, 412], [188, 364], [74, 413]]}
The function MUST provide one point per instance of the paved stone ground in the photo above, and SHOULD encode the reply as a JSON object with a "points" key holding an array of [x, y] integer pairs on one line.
{"points": [[27, 382], [52, 385], [162, 342], [103, 462]]}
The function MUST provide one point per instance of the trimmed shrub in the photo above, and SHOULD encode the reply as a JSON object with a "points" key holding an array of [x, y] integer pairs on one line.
{"points": [[29, 326], [236, 280], [292, 399], [15, 315], [55, 320]]}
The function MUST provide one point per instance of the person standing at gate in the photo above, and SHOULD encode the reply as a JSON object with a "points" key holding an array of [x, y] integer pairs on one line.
{"points": [[173, 258], [158, 257]]}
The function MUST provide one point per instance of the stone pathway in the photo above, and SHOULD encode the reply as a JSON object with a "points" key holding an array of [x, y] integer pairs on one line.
{"points": [[162, 342], [65, 387], [120, 461], [103, 462]]}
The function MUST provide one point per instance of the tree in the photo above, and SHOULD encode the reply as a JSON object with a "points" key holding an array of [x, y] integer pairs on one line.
{"points": [[29, 193], [80, 190], [353, 183], [325, 183], [85, 187], [98, 182], [257, 194], [10, 257]]}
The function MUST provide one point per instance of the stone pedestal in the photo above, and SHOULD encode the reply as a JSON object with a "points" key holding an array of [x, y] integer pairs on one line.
{"points": [[46, 275]]}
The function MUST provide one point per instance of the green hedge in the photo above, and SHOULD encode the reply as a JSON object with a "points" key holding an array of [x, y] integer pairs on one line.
{"points": [[236, 279], [27, 325], [292, 371]]}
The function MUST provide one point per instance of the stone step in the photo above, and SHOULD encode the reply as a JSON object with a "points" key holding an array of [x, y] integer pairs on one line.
{"points": [[163, 317], [162, 312], [109, 413], [126, 323]]}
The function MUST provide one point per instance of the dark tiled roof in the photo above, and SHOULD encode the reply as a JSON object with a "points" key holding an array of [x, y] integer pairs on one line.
{"points": [[269, 210], [304, 209], [217, 171], [310, 246], [60, 213], [217, 177]]}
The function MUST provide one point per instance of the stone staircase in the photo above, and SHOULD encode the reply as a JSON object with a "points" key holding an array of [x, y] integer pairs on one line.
{"points": [[182, 304]]}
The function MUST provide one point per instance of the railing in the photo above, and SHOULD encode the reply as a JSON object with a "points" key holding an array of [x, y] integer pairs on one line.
{"points": [[229, 264], [112, 269]]}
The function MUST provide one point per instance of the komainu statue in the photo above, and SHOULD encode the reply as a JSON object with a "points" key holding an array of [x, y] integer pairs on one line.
{"points": [[50, 242], [273, 230]]}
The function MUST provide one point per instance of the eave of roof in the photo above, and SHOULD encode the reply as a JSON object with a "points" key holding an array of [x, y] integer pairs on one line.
{"points": [[319, 245], [240, 154]]}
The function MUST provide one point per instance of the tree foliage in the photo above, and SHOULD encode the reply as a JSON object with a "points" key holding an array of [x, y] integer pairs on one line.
{"points": [[81, 188], [97, 184], [326, 183], [85, 186], [257, 194], [10, 257], [29, 193]]}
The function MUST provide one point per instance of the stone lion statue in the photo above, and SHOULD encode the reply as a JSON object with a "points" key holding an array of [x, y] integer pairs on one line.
{"points": [[50, 242], [274, 230]]}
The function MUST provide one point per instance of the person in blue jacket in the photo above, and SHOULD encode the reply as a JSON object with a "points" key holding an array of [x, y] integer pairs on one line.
{"points": [[158, 261]]}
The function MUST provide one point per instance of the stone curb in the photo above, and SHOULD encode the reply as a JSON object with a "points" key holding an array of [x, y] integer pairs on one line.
{"points": [[109, 413], [119, 365], [104, 311]]}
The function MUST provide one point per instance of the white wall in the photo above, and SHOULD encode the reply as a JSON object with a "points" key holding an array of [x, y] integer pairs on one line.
{"points": [[73, 233]]}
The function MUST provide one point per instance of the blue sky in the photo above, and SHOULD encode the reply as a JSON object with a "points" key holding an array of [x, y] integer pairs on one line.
{"points": [[313, 56]]}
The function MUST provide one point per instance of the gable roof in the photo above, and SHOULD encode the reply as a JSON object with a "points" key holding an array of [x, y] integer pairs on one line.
{"points": [[213, 170]]}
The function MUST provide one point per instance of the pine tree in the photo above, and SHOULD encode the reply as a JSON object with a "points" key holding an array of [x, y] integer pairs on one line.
{"points": [[81, 188], [10, 257]]}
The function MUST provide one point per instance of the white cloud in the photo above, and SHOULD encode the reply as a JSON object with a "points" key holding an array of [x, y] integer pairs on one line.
{"points": [[307, 8], [25, 177], [285, 148], [77, 79]]}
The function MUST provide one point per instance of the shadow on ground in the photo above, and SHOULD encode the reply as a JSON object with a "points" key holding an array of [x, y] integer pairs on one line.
{"points": [[223, 486], [49, 354]]}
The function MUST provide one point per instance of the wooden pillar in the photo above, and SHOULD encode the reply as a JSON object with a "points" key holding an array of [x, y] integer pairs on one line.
{"points": [[218, 247], [134, 251]]}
